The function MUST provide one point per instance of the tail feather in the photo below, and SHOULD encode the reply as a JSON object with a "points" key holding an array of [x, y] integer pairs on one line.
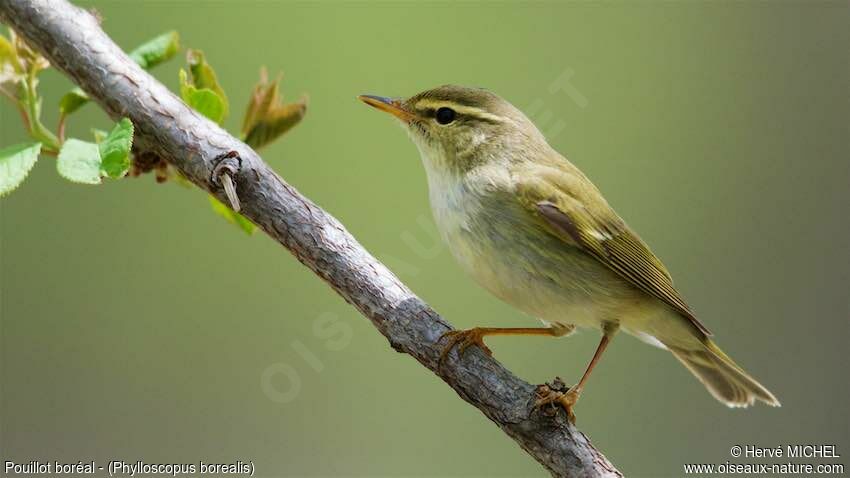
{"points": [[726, 381]]}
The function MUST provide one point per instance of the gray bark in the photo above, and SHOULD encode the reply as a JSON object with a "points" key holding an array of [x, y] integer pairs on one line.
{"points": [[73, 41]]}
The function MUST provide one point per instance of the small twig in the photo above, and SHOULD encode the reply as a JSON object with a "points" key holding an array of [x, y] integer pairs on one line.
{"points": [[18, 105], [226, 168], [24, 116], [60, 129]]}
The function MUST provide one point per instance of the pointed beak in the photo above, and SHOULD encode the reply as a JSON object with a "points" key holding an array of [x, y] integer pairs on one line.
{"points": [[392, 106]]}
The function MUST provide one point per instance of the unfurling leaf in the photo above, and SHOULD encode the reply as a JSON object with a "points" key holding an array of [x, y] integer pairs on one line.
{"points": [[30, 60], [147, 55], [115, 149], [261, 99], [275, 124], [232, 217], [10, 68], [15, 163], [7, 53], [99, 135], [10, 65], [72, 101], [204, 100], [204, 77], [79, 161], [267, 117], [155, 51]]}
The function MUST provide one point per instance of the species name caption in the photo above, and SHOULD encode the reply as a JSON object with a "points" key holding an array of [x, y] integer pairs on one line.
{"points": [[127, 468]]}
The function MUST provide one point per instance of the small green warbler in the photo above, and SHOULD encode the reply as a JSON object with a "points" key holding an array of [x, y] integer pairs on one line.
{"points": [[533, 230]]}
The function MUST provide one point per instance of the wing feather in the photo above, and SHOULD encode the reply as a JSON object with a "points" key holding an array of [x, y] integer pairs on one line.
{"points": [[603, 235]]}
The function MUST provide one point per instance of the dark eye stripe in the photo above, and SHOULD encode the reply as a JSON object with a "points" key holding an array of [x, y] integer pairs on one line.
{"points": [[432, 113]]}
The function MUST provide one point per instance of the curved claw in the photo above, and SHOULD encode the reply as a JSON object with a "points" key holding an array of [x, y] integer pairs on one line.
{"points": [[463, 339], [547, 396]]}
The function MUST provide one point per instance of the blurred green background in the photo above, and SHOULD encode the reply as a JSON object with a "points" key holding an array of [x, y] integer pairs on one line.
{"points": [[137, 325]]}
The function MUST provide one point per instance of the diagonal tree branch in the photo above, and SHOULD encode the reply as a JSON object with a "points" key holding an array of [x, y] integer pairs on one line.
{"points": [[72, 40]]}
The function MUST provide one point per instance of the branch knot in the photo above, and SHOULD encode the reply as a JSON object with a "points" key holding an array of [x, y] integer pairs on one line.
{"points": [[223, 174]]}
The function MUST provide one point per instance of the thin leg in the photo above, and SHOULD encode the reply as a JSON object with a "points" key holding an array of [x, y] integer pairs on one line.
{"points": [[569, 399], [603, 344], [462, 339]]}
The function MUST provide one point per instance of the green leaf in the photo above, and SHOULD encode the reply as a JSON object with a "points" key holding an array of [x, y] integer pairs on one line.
{"points": [[15, 163], [208, 104], [203, 76], [204, 101], [84, 162], [234, 218], [267, 117], [72, 101], [115, 149], [79, 161], [155, 51]]}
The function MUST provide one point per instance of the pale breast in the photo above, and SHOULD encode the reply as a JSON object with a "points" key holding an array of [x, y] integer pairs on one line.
{"points": [[505, 250]]}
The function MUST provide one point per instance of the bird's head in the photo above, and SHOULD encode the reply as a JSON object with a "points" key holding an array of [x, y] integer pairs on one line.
{"points": [[458, 128]]}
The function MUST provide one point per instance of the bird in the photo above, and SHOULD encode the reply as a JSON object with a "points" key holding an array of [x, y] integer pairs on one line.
{"points": [[529, 227]]}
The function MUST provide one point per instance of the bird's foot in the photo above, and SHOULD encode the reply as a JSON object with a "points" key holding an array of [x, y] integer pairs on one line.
{"points": [[463, 339], [552, 395]]}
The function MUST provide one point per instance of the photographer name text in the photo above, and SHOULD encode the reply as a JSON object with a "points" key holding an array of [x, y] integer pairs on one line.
{"points": [[785, 451]]}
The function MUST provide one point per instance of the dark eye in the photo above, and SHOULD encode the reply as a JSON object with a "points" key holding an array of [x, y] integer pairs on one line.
{"points": [[445, 115]]}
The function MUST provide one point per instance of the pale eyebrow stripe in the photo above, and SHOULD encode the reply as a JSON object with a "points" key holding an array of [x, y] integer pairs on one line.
{"points": [[462, 109]]}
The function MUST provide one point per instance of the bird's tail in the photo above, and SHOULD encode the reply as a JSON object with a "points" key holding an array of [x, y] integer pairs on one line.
{"points": [[722, 377]]}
